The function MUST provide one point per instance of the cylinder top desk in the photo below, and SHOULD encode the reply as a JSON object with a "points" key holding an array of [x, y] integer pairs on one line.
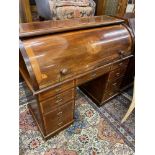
{"points": [[58, 56]]}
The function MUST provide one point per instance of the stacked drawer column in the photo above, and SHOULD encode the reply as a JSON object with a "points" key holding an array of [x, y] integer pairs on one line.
{"points": [[115, 79], [107, 85], [57, 107]]}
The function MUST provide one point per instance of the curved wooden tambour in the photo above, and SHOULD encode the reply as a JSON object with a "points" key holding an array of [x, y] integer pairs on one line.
{"points": [[57, 57]]}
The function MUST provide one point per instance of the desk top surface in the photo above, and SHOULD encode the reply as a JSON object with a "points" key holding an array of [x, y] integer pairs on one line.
{"points": [[49, 27]]}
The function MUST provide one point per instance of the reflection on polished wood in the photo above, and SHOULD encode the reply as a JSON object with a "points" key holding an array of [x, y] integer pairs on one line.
{"points": [[48, 27], [58, 56]]}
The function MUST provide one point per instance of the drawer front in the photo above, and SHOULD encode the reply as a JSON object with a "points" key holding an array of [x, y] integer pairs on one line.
{"points": [[114, 85], [121, 64], [57, 100], [56, 90], [117, 73], [92, 75], [59, 117]]}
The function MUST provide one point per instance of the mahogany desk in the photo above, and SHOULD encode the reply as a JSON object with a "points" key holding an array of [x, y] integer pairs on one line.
{"points": [[58, 56]]}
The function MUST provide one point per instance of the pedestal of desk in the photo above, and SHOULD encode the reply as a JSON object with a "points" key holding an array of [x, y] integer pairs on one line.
{"points": [[105, 87]]}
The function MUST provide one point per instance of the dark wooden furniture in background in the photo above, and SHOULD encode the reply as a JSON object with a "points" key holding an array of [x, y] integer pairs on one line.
{"points": [[111, 7], [58, 56], [25, 11], [28, 11]]}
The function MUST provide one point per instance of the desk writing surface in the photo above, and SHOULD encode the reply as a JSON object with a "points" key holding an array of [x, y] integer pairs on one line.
{"points": [[49, 27]]}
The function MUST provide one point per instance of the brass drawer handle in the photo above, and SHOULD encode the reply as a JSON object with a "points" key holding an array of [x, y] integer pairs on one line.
{"points": [[114, 84], [120, 64], [59, 100], [59, 113], [63, 71], [58, 97], [60, 119], [110, 94], [117, 74], [121, 53], [58, 90], [93, 75], [59, 124]]}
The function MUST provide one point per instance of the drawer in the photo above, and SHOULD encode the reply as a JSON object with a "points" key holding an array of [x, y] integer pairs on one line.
{"points": [[113, 85], [57, 100], [121, 64], [59, 117], [109, 94], [56, 90], [117, 73], [92, 75]]}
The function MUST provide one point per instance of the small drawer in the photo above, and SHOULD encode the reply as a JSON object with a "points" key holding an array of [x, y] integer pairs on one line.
{"points": [[121, 64], [59, 117], [57, 100], [113, 85], [92, 75], [56, 90], [117, 73]]}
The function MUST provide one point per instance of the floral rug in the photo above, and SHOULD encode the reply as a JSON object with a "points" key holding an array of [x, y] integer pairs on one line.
{"points": [[96, 131]]}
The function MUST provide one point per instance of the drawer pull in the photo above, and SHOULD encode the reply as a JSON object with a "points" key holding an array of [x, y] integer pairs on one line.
{"points": [[64, 71], [120, 64], [110, 94], [58, 90], [114, 84], [58, 97], [117, 74], [59, 113], [59, 100], [59, 124], [60, 119], [93, 75], [121, 53]]}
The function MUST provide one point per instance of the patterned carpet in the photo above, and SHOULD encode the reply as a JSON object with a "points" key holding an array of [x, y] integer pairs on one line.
{"points": [[96, 131]]}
